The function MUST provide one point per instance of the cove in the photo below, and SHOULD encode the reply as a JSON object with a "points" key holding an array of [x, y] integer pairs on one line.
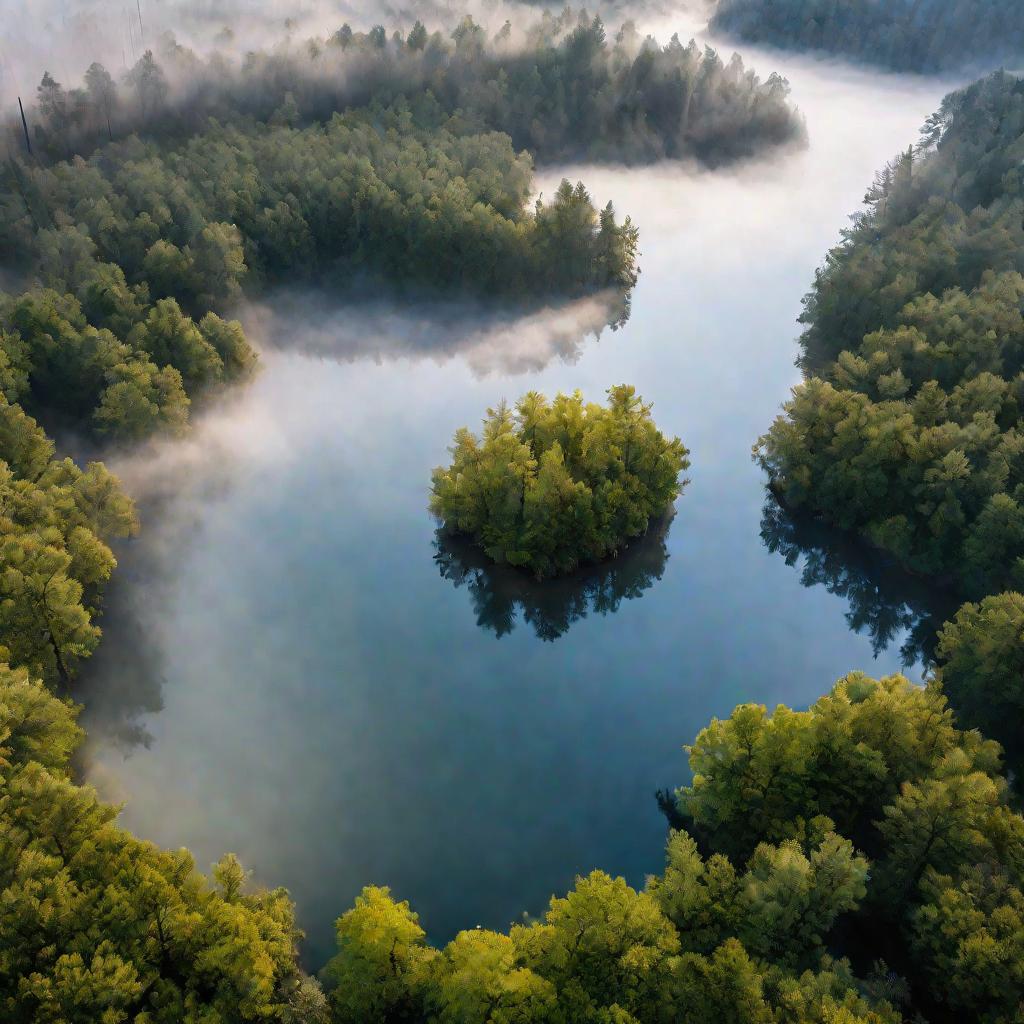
{"points": [[290, 671]]}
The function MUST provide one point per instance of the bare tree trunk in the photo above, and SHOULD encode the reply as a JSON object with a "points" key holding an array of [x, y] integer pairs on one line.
{"points": [[24, 125]]}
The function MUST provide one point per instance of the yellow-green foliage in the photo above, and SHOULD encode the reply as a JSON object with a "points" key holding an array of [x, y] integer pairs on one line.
{"points": [[55, 524], [556, 484], [97, 927]]}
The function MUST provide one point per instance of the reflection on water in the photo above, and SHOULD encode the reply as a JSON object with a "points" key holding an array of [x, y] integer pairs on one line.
{"points": [[123, 681], [501, 593], [503, 341], [886, 603]]}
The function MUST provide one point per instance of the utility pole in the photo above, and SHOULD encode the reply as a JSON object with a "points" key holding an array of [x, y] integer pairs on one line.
{"points": [[24, 125], [138, 5]]}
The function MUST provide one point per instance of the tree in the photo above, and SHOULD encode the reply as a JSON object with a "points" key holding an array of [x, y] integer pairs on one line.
{"points": [[478, 981], [381, 969], [96, 925], [148, 79], [981, 657], [970, 933], [53, 108], [555, 485], [102, 93], [171, 338], [603, 945]]}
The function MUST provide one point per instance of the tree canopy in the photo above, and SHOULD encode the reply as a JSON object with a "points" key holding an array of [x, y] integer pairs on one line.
{"points": [[560, 85], [56, 523], [907, 35], [396, 194], [867, 826], [555, 484], [96, 925], [908, 429]]}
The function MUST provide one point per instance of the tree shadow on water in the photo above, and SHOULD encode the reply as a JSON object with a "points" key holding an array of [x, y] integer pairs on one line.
{"points": [[501, 593], [123, 681], [885, 601]]}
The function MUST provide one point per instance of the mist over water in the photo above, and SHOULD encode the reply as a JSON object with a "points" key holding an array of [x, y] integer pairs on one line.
{"points": [[288, 675]]}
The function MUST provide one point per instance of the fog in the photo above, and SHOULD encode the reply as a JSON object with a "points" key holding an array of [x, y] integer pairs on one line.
{"points": [[487, 341], [65, 37], [289, 672]]}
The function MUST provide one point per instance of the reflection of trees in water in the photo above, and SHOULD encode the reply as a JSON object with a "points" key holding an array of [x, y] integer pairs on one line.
{"points": [[124, 679], [505, 340], [885, 601], [500, 592]]}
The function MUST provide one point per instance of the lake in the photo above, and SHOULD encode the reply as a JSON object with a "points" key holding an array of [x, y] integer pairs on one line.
{"points": [[295, 671]]}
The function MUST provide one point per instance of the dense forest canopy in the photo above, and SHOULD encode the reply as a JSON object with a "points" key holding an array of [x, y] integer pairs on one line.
{"points": [[927, 36], [96, 925], [868, 826], [386, 193], [555, 484], [908, 429], [137, 248], [557, 85], [57, 522]]}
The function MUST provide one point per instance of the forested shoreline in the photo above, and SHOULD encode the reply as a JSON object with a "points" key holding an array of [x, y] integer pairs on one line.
{"points": [[906, 429], [924, 36], [859, 862]]}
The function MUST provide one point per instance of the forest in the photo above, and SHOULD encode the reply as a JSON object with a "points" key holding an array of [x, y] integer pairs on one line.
{"points": [[557, 85], [559, 483], [860, 861], [924, 36], [906, 429]]}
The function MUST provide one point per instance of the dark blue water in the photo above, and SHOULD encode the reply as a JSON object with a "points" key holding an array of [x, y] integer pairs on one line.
{"points": [[294, 671]]}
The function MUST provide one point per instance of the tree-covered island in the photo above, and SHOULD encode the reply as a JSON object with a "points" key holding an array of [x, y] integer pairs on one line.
{"points": [[552, 485]]}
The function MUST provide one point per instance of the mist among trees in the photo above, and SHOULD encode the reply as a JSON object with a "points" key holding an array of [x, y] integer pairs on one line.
{"points": [[858, 862], [564, 87]]}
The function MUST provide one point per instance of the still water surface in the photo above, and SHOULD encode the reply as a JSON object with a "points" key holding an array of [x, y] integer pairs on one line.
{"points": [[295, 672]]}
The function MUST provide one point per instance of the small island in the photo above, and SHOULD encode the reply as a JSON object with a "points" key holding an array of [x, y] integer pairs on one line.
{"points": [[552, 485]]}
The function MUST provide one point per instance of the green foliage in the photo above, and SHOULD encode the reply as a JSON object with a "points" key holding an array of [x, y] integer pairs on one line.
{"points": [[781, 908], [970, 932], [607, 953], [907, 35], [981, 652], [882, 763], [56, 521], [58, 363], [382, 963], [398, 193], [557, 484], [909, 429], [98, 926], [558, 85]]}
